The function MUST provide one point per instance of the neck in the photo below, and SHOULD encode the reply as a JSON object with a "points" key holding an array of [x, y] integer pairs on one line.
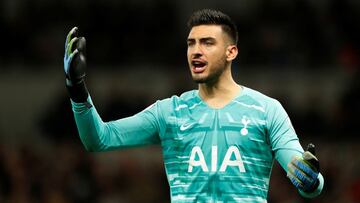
{"points": [[221, 92]]}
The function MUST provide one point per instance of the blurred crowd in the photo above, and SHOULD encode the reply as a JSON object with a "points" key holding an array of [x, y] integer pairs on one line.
{"points": [[67, 174], [273, 33], [300, 35]]}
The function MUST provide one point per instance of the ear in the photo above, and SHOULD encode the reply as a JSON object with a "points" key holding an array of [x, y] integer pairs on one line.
{"points": [[231, 52]]}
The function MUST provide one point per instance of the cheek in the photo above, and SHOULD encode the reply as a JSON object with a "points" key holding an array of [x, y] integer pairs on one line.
{"points": [[188, 53], [218, 56]]}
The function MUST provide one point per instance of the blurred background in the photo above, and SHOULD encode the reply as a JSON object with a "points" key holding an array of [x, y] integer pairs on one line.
{"points": [[303, 53]]}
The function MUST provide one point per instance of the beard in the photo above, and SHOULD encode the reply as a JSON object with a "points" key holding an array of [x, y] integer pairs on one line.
{"points": [[214, 73]]}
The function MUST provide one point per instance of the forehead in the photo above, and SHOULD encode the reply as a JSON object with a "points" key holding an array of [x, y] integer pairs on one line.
{"points": [[205, 31]]}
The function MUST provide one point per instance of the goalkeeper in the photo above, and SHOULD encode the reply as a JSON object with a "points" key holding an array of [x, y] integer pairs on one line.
{"points": [[218, 141]]}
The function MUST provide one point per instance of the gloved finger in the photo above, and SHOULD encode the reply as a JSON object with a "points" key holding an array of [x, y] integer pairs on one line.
{"points": [[296, 183], [305, 168], [311, 159], [311, 148], [73, 32], [70, 45], [73, 54], [304, 181], [68, 59], [294, 180], [81, 45]]}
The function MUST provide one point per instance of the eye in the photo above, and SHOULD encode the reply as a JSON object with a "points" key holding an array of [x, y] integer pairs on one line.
{"points": [[190, 43], [209, 43]]}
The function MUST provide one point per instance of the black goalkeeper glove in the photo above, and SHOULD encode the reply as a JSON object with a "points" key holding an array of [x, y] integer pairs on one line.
{"points": [[74, 66], [303, 171]]}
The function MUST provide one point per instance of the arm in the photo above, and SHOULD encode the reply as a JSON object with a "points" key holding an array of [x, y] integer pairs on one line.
{"points": [[286, 146], [96, 135]]}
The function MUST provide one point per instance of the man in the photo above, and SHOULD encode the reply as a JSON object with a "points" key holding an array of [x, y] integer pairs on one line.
{"points": [[219, 141]]}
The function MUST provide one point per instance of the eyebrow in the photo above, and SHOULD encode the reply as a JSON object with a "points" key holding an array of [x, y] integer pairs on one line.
{"points": [[204, 39]]}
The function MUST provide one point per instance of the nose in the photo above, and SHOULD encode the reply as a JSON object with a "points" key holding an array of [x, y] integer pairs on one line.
{"points": [[197, 50]]}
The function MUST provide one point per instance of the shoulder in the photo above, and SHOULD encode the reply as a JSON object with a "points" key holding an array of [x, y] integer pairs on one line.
{"points": [[256, 98], [187, 98], [270, 108]]}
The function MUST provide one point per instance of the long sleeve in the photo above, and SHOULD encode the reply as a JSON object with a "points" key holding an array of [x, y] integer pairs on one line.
{"points": [[285, 143], [97, 135]]}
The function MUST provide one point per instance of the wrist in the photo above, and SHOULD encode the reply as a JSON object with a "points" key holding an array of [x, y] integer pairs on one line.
{"points": [[317, 190], [77, 90], [313, 188]]}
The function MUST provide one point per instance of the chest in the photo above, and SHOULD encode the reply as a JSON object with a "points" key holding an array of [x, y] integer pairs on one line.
{"points": [[212, 140], [223, 128]]}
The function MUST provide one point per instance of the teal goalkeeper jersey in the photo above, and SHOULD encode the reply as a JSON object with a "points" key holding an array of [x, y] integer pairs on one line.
{"points": [[210, 155]]}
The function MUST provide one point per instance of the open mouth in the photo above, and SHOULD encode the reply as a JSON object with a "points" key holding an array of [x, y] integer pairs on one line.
{"points": [[198, 66]]}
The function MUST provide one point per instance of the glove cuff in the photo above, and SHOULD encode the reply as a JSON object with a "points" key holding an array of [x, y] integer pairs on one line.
{"points": [[78, 91], [317, 190]]}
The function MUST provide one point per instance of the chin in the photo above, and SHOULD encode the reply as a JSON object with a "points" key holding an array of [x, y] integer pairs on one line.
{"points": [[212, 79], [201, 80], [198, 79]]}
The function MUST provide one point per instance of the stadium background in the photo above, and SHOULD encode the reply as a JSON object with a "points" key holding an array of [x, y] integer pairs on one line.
{"points": [[304, 53]]}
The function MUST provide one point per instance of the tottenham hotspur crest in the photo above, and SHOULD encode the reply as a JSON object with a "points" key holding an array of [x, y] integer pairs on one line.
{"points": [[245, 121]]}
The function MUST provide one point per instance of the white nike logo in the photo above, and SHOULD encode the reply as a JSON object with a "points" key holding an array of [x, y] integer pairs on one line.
{"points": [[186, 126]]}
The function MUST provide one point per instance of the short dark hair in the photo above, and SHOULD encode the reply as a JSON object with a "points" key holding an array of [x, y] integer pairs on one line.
{"points": [[214, 17]]}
